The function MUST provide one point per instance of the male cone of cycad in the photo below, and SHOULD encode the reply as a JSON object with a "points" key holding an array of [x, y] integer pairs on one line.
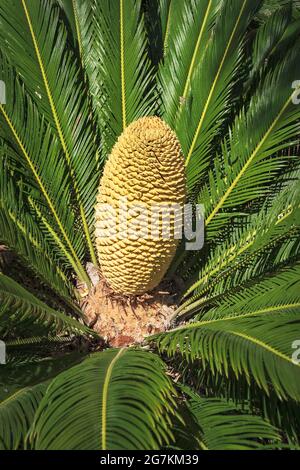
{"points": [[146, 166]]}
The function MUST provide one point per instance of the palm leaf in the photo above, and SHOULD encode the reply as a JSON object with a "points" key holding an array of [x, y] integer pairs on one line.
{"points": [[119, 74], [247, 168], [245, 395], [268, 36], [22, 386], [224, 426], [211, 88], [21, 233], [269, 6], [264, 242], [159, 16], [113, 400], [16, 415], [69, 9], [250, 346], [51, 75], [286, 42], [81, 15], [165, 15], [279, 291], [186, 30], [25, 128], [251, 339], [19, 305]]}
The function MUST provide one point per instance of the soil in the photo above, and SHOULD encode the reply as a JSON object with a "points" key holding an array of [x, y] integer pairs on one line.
{"points": [[126, 320]]}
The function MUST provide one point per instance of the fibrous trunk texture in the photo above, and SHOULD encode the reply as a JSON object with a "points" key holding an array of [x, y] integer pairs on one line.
{"points": [[146, 169], [123, 320]]}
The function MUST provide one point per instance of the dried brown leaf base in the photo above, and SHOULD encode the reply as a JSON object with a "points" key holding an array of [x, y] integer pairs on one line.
{"points": [[125, 320]]}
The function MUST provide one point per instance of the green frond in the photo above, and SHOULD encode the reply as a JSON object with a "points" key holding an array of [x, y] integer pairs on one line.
{"points": [[268, 37], [209, 103], [269, 6], [67, 7], [251, 339], [22, 385], [279, 291], [41, 341], [82, 17], [16, 415], [260, 348], [29, 134], [81, 32], [251, 156], [224, 426], [119, 399], [166, 8], [186, 33], [156, 16], [28, 369], [50, 74], [290, 35], [245, 395], [120, 73], [21, 233], [19, 305], [263, 243]]}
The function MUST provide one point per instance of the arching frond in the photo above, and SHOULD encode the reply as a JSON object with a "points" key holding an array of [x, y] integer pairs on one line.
{"points": [[157, 15], [114, 48], [119, 399], [166, 10], [18, 305], [224, 426], [20, 232], [36, 45], [250, 159], [279, 291], [257, 343], [203, 114], [282, 414], [269, 6], [16, 415], [23, 383], [185, 39], [268, 36], [263, 243], [27, 131]]}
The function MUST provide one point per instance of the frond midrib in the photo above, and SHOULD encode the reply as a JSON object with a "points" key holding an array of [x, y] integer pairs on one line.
{"points": [[75, 260], [248, 162], [206, 106], [60, 133], [105, 397]]}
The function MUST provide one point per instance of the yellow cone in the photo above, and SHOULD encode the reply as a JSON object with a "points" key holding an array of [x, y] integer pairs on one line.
{"points": [[145, 168]]}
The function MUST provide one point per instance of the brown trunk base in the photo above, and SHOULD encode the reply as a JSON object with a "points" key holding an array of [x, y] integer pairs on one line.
{"points": [[125, 320]]}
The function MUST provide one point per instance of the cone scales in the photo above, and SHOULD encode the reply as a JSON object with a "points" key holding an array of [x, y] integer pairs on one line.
{"points": [[146, 169]]}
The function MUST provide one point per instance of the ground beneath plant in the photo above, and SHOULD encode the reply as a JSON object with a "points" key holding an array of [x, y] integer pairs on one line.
{"points": [[125, 320]]}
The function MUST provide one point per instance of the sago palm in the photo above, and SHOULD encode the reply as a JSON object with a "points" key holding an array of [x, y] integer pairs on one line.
{"points": [[221, 369]]}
